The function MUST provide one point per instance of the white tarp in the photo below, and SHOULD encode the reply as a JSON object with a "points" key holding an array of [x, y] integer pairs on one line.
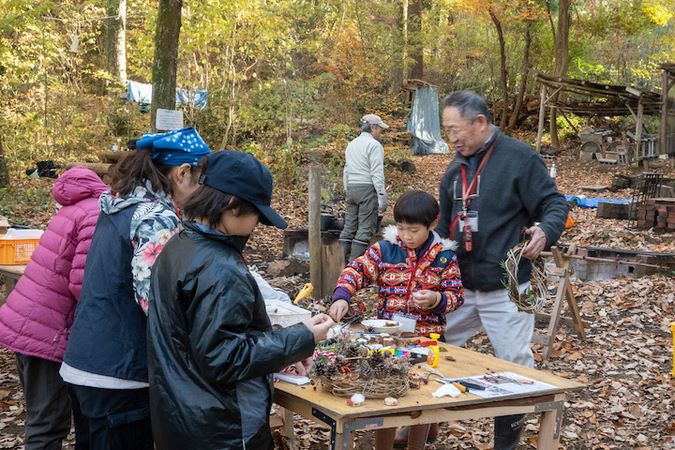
{"points": [[424, 124]]}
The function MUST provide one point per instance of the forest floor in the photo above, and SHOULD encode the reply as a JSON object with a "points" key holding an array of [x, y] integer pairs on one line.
{"points": [[625, 360]]}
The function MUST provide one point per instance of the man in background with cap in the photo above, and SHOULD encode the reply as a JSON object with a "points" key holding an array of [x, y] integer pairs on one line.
{"points": [[363, 179]]}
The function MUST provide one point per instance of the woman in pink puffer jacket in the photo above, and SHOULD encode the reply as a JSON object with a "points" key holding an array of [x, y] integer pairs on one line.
{"points": [[36, 318]]}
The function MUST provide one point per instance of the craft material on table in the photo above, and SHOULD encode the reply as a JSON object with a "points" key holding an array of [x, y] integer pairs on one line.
{"points": [[345, 367], [500, 384], [418, 406], [446, 390], [381, 325], [298, 380]]}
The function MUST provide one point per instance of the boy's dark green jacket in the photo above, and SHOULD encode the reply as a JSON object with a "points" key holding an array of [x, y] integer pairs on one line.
{"points": [[211, 347], [515, 190]]}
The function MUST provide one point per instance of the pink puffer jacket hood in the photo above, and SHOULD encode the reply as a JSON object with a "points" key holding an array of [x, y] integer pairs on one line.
{"points": [[77, 184], [36, 318]]}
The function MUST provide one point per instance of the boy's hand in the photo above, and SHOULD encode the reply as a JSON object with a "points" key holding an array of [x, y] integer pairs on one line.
{"points": [[425, 298], [303, 367], [338, 310], [319, 326]]}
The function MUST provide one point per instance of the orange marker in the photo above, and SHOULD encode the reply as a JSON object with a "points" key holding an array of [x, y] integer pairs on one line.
{"points": [[461, 388]]}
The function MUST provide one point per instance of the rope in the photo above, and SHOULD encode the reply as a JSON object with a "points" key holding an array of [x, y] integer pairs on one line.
{"points": [[534, 298]]}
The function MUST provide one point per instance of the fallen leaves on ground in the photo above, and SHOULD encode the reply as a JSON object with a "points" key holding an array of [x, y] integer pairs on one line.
{"points": [[625, 360]]}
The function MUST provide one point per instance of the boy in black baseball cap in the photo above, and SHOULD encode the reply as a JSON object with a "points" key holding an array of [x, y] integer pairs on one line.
{"points": [[211, 348], [241, 175]]}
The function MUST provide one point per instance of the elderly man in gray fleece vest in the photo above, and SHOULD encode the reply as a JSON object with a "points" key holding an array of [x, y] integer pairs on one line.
{"points": [[363, 179]]}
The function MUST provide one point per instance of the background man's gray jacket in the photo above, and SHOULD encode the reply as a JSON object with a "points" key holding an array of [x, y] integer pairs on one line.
{"points": [[364, 163]]}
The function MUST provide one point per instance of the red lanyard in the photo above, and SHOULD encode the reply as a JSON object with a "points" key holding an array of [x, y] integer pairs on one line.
{"points": [[468, 194]]}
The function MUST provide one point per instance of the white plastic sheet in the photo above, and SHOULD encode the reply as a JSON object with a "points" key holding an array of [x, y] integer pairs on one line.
{"points": [[424, 124]]}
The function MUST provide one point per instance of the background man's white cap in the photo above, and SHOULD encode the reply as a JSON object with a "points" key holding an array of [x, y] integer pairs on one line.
{"points": [[373, 119]]}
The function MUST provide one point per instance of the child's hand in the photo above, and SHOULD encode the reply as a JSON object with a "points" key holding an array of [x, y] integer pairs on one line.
{"points": [[338, 310], [425, 298], [319, 326], [303, 367]]}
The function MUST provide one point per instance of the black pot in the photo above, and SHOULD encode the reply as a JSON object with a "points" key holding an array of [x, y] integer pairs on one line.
{"points": [[326, 221], [337, 224]]}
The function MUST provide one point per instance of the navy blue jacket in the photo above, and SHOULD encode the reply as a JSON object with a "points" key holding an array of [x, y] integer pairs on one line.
{"points": [[108, 336]]}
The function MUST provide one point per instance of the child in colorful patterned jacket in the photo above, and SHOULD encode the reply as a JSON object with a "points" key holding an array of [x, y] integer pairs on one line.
{"points": [[418, 279]]}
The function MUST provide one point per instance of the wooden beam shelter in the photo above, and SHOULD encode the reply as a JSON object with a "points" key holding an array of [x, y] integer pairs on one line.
{"points": [[667, 128], [587, 98]]}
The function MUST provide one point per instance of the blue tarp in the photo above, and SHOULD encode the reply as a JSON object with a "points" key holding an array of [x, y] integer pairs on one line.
{"points": [[142, 93], [424, 124], [592, 202], [197, 97]]}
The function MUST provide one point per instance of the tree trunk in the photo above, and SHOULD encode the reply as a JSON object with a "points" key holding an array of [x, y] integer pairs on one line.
{"points": [[115, 39], [503, 71], [4, 171], [416, 39], [166, 57], [398, 64], [523, 77], [561, 59]]}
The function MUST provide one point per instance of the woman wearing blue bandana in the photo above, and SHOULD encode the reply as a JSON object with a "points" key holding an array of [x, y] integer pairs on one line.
{"points": [[105, 363]]}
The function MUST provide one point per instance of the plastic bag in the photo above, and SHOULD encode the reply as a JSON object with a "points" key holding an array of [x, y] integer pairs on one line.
{"points": [[268, 292]]}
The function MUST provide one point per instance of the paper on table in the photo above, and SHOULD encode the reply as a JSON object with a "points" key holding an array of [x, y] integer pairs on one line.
{"points": [[501, 384]]}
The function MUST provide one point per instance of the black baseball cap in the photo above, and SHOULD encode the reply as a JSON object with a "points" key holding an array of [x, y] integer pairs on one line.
{"points": [[242, 175]]}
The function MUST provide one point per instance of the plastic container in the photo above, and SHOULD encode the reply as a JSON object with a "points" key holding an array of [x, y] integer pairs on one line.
{"points": [[434, 351], [17, 246], [285, 314]]}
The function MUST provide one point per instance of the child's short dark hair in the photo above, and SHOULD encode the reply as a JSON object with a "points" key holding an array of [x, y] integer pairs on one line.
{"points": [[416, 207], [210, 204]]}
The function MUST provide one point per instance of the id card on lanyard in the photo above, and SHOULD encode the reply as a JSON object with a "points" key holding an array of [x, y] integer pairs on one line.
{"points": [[467, 219]]}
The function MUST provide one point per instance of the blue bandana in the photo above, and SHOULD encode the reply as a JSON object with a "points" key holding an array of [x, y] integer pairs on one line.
{"points": [[174, 148]]}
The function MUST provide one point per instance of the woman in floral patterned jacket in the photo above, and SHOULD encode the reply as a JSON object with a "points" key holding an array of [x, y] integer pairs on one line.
{"points": [[105, 364]]}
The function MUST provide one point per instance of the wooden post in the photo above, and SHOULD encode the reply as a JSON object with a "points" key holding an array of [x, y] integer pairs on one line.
{"points": [[289, 430], [664, 114], [332, 263], [549, 434], [542, 116], [638, 129], [315, 230]]}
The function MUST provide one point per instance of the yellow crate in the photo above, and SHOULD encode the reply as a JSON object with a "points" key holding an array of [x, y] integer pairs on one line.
{"points": [[14, 252]]}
